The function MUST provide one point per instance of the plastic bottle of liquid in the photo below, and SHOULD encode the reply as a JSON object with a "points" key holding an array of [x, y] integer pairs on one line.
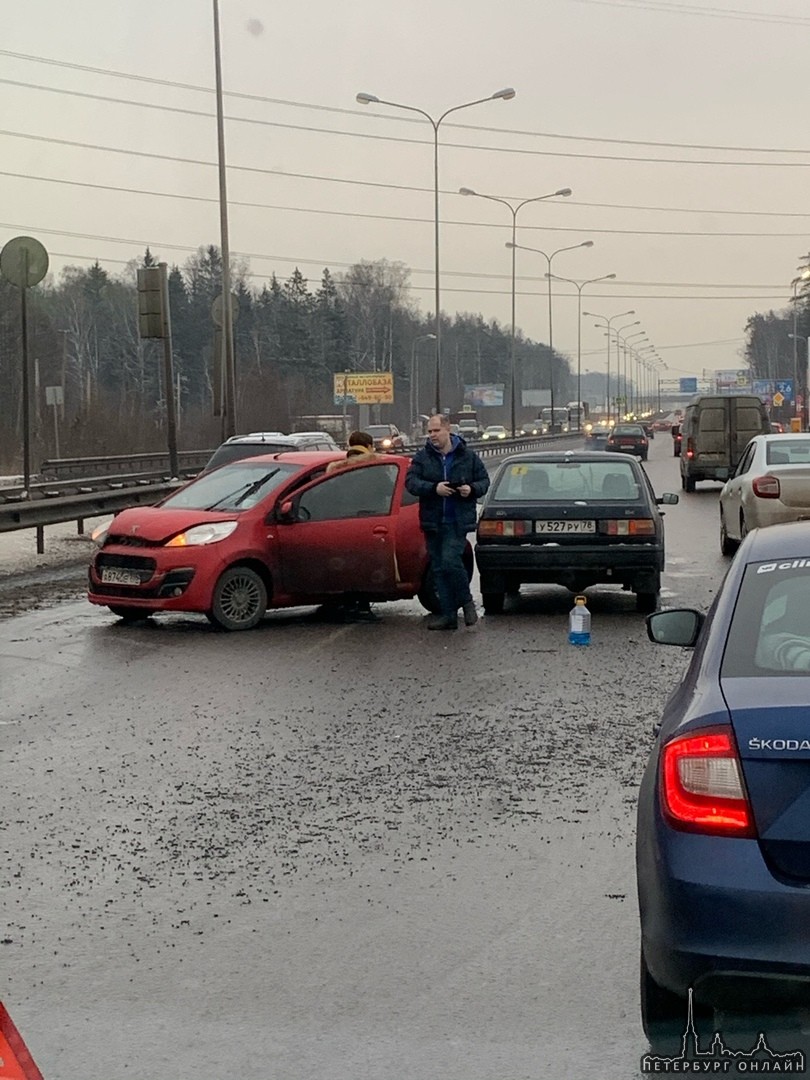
{"points": [[579, 623]]}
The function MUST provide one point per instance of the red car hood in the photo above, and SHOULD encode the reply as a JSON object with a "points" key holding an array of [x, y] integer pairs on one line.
{"points": [[156, 524]]}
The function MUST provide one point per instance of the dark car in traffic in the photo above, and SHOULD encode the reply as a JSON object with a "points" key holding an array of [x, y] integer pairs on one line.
{"points": [[677, 439], [267, 532], [388, 439], [628, 439], [596, 436], [571, 518], [723, 824], [268, 442]]}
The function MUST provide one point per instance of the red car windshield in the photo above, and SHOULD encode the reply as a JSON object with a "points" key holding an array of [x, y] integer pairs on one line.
{"points": [[233, 487]]}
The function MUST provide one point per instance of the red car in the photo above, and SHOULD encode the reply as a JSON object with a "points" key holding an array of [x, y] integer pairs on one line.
{"points": [[677, 439], [267, 532]]}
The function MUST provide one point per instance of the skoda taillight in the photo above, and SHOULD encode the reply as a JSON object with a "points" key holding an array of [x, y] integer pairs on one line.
{"points": [[702, 788]]}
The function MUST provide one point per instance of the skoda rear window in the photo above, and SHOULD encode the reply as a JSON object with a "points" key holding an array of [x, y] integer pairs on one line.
{"points": [[235, 487], [555, 481], [770, 629]]}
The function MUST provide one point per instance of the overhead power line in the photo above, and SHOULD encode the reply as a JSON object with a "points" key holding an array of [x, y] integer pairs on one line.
{"points": [[736, 14], [365, 113], [359, 214], [568, 204], [295, 260]]}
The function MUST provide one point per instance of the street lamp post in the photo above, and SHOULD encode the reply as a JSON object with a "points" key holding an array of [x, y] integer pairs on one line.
{"points": [[607, 321], [369, 99], [513, 209], [622, 370], [229, 361], [414, 384], [802, 278], [579, 286], [805, 410], [549, 277], [641, 363], [652, 364]]}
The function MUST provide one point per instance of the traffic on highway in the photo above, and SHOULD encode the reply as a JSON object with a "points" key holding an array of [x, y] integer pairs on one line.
{"points": [[334, 846], [404, 540]]}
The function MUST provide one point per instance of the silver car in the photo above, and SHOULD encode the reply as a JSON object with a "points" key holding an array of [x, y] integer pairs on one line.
{"points": [[770, 485]]}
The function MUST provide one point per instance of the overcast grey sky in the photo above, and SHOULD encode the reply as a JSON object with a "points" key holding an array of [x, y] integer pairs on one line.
{"points": [[597, 82]]}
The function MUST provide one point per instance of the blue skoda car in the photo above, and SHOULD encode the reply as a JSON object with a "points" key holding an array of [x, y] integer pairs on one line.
{"points": [[723, 841]]}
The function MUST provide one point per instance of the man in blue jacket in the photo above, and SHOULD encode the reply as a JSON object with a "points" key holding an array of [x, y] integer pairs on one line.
{"points": [[448, 478]]}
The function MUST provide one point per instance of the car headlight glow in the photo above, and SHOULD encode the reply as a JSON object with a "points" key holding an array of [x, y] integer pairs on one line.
{"points": [[386, 442], [501, 434], [210, 533], [99, 534]]}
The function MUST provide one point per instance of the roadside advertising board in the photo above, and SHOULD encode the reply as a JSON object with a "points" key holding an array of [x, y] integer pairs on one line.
{"points": [[733, 381], [484, 394], [364, 387]]}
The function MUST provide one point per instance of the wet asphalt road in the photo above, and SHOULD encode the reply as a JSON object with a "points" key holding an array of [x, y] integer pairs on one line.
{"points": [[338, 852]]}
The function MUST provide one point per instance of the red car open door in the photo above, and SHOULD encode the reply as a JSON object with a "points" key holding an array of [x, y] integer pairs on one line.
{"points": [[342, 534]]}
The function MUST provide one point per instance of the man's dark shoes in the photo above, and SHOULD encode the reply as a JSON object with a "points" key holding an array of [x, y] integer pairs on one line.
{"points": [[366, 615], [470, 614], [442, 622]]}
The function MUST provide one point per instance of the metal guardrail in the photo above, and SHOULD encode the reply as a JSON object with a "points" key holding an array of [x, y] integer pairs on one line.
{"points": [[37, 513], [493, 447], [52, 489], [67, 468], [119, 492]]}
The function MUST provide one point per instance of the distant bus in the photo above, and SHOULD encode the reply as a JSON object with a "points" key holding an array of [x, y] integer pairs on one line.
{"points": [[561, 423], [578, 412]]}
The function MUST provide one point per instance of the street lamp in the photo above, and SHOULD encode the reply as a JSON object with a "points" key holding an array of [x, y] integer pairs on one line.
{"points": [[369, 99], [651, 366], [579, 286], [229, 363], [513, 209], [806, 404], [803, 277], [608, 321], [549, 276], [621, 368], [414, 384], [643, 362]]}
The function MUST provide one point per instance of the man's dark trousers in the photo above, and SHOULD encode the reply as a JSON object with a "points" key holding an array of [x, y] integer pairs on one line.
{"points": [[446, 547]]}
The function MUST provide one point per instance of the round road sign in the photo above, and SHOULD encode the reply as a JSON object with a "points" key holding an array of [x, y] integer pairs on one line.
{"points": [[24, 262], [218, 305]]}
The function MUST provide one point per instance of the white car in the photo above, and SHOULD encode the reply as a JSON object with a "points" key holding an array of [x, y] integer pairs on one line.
{"points": [[771, 484], [494, 431]]}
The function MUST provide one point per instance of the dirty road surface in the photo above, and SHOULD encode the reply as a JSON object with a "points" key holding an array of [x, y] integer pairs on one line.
{"points": [[343, 852]]}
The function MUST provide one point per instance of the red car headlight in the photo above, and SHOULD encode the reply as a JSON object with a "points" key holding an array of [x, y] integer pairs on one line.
{"points": [[203, 534]]}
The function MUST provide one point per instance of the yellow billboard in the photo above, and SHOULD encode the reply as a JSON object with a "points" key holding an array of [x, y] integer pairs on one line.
{"points": [[364, 388]]}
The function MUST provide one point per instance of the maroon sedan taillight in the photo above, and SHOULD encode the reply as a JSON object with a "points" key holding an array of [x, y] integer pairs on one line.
{"points": [[766, 487]]}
